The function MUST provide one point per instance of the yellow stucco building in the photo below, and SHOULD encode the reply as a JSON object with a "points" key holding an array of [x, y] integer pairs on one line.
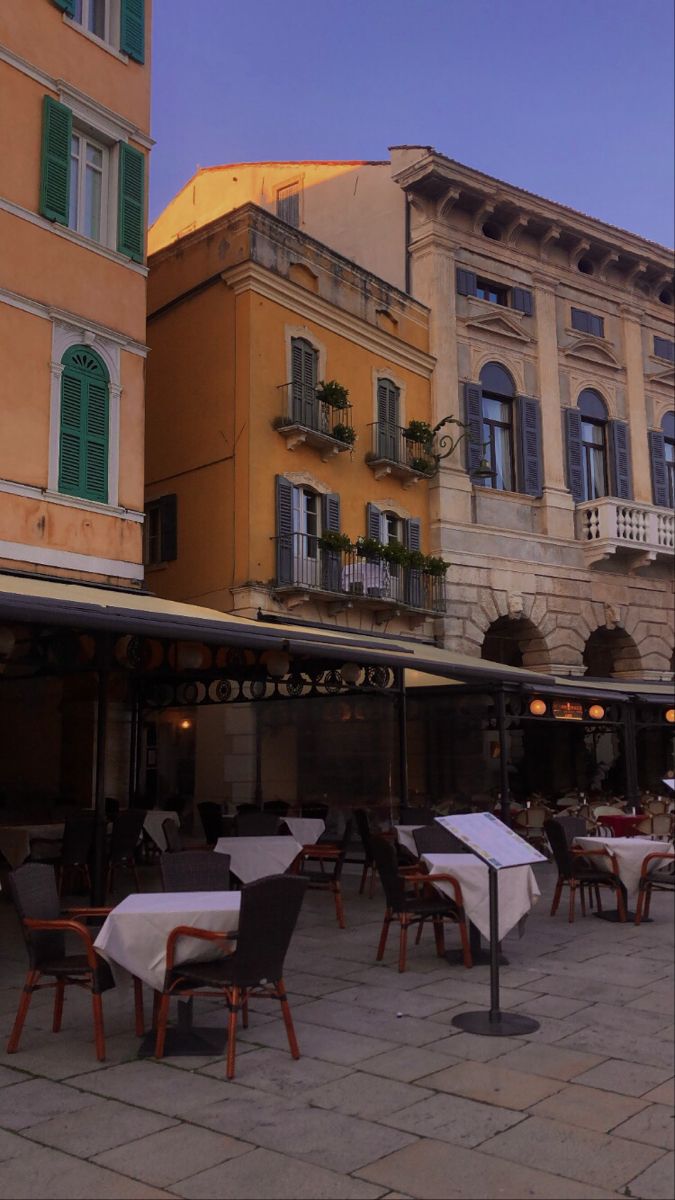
{"points": [[288, 395], [75, 76]]}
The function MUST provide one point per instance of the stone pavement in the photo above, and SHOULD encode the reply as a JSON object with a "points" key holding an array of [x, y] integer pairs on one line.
{"points": [[389, 1099]]}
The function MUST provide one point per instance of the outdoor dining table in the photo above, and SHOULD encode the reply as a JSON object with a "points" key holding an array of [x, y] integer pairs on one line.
{"points": [[630, 853], [15, 840], [154, 820], [517, 889], [254, 857], [133, 941], [622, 824], [306, 830]]}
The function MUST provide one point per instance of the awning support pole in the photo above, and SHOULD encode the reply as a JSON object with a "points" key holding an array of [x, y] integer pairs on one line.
{"points": [[401, 709], [500, 701], [98, 889], [630, 757]]}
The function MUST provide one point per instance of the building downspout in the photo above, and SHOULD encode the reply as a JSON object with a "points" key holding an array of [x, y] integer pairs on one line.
{"points": [[408, 271]]}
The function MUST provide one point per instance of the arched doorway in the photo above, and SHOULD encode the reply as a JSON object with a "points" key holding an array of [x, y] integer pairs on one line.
{"points": [[516, 642], [611, 653]]}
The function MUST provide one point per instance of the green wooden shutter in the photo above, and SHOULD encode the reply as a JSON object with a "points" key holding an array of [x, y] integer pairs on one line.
{"points": [[131, 219], [57, 136], [132, 29], [66, 6], [83, 451]]}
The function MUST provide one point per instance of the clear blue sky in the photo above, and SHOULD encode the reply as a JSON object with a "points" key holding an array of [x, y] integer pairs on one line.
{"points": [[572, 99]]}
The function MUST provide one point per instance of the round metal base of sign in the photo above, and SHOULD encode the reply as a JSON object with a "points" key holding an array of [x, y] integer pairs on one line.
{"points": [[503, 1025]]}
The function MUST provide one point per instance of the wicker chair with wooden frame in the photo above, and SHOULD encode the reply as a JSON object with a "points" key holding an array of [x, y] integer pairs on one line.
{"points": [[72, 860], [44, 926], [575, 870], [416, 907], [659, 879], [195, 871], [269, 911], [321, 866], [127, 828], [529, 823]]}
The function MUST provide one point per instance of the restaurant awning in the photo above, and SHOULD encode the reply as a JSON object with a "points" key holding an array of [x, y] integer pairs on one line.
{"points": [[91, 608], [646, 691]]}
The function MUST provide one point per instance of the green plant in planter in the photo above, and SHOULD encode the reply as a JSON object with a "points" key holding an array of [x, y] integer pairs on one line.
{"points": [[368, 547], [332, 540], [416, 560], [419, 431], [396, 553], [436, 566], [344, 433], [420, 464], [333, 393]]}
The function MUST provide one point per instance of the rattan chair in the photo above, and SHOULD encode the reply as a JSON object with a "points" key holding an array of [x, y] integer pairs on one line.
{"points": [[321, 867], [72, 859], [269, 911], [575, 871], [211, 816], [659, 879], [256, 824], [195, 871], [435, 839], [414, 908], [573, 827], [127, 828], [33, 890], [363, 828]]}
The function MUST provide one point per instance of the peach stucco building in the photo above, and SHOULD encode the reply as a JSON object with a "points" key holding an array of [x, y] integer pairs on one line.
{"points": [[75, 74]]}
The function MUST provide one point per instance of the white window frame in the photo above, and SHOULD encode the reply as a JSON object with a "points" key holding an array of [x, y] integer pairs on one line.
{"points": [[105, 206], [111, 36]]}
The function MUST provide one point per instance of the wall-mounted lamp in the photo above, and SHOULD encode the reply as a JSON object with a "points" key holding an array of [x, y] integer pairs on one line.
{"points": [[277, 663], [596, 711], [350, 672], [537, 707], [185, 724]]}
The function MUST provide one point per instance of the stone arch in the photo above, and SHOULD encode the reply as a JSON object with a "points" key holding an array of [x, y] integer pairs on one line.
{"points": [[653, 646], [611, 653], [514, 640]]}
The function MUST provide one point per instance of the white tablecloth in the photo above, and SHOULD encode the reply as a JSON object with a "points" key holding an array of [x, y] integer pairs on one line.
{"points": [[306, 830], [254, 857], [630, 854], [368, 578], [517, 888], [404, 836], [15, 840], [153, 822], [133, 937]]}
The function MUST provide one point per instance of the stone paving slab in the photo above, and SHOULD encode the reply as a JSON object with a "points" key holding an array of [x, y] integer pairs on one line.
{"points": [[493, 1084], [582, 1154], [370, 1022], [664, 1094], [657, 1182], [151, 1085], [477, 1047], [362, 1095], [43, 1172], [629, 1079], [276, 1072], [37, 1100], [393, 1000], [102, 1125], [337, 1046], [435, 1170], [556, 1062], [166, 1157], [8, 1076], [654, 1125], [265, 1175], [588, 1107], [409, 1063], [454, 1119]]}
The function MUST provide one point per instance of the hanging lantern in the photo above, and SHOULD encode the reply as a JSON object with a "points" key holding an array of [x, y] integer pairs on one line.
{"points": [[670, 716], [277, 664], [596, 711], [537, 707], [350, 672]]}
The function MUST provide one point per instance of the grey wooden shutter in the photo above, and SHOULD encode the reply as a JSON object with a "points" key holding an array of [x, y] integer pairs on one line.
{"points": [[132, 29], [413, 582], [473, 415], [169, 527], [529, 438], [284, 530], [303, 383], [131, 216], [330, 559], [619, 440], [57, 136], [521, 300], [575, 464], [373, 522], [466, 282], [387, 419], [657, 458]]}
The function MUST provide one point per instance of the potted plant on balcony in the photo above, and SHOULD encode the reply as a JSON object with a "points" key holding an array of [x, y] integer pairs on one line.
{"points": [[396, 554], [436, 566], [370, 548], [337, 542], [344, 433], [419, 431], [333, 393], [420, 464]]}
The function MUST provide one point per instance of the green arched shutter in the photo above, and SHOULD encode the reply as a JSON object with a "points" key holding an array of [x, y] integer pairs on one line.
{"points": [[84, 435]]}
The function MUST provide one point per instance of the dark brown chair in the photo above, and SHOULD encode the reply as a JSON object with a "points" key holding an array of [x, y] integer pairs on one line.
{"points": [[269, 911], [72, 860], [409, 815], [256, 824], [195, 871], [368, 860], [659, 879], [415, 907], [211, 816], [281, 807], [435, 839], [33, 890], [578, 873], [127, 828], [172, 838], [321, 867]]}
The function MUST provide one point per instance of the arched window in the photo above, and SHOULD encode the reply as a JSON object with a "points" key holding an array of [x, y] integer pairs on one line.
{"points": [[593, 443], [84, 428], [498, 393], [662, 456]]}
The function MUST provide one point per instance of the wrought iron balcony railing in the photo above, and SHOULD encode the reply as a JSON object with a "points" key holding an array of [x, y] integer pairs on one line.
{"points": [[609, 526], [305, 564], [319, 423], [393, 453]]}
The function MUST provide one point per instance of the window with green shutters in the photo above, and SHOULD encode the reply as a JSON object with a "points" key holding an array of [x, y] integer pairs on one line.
{"points": [[119, 23], [132, 29], [131, 214], [84, 434], [57, 136]]}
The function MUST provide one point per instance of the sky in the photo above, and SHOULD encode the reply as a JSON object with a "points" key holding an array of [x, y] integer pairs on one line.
{"points": [[571, 99]]}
